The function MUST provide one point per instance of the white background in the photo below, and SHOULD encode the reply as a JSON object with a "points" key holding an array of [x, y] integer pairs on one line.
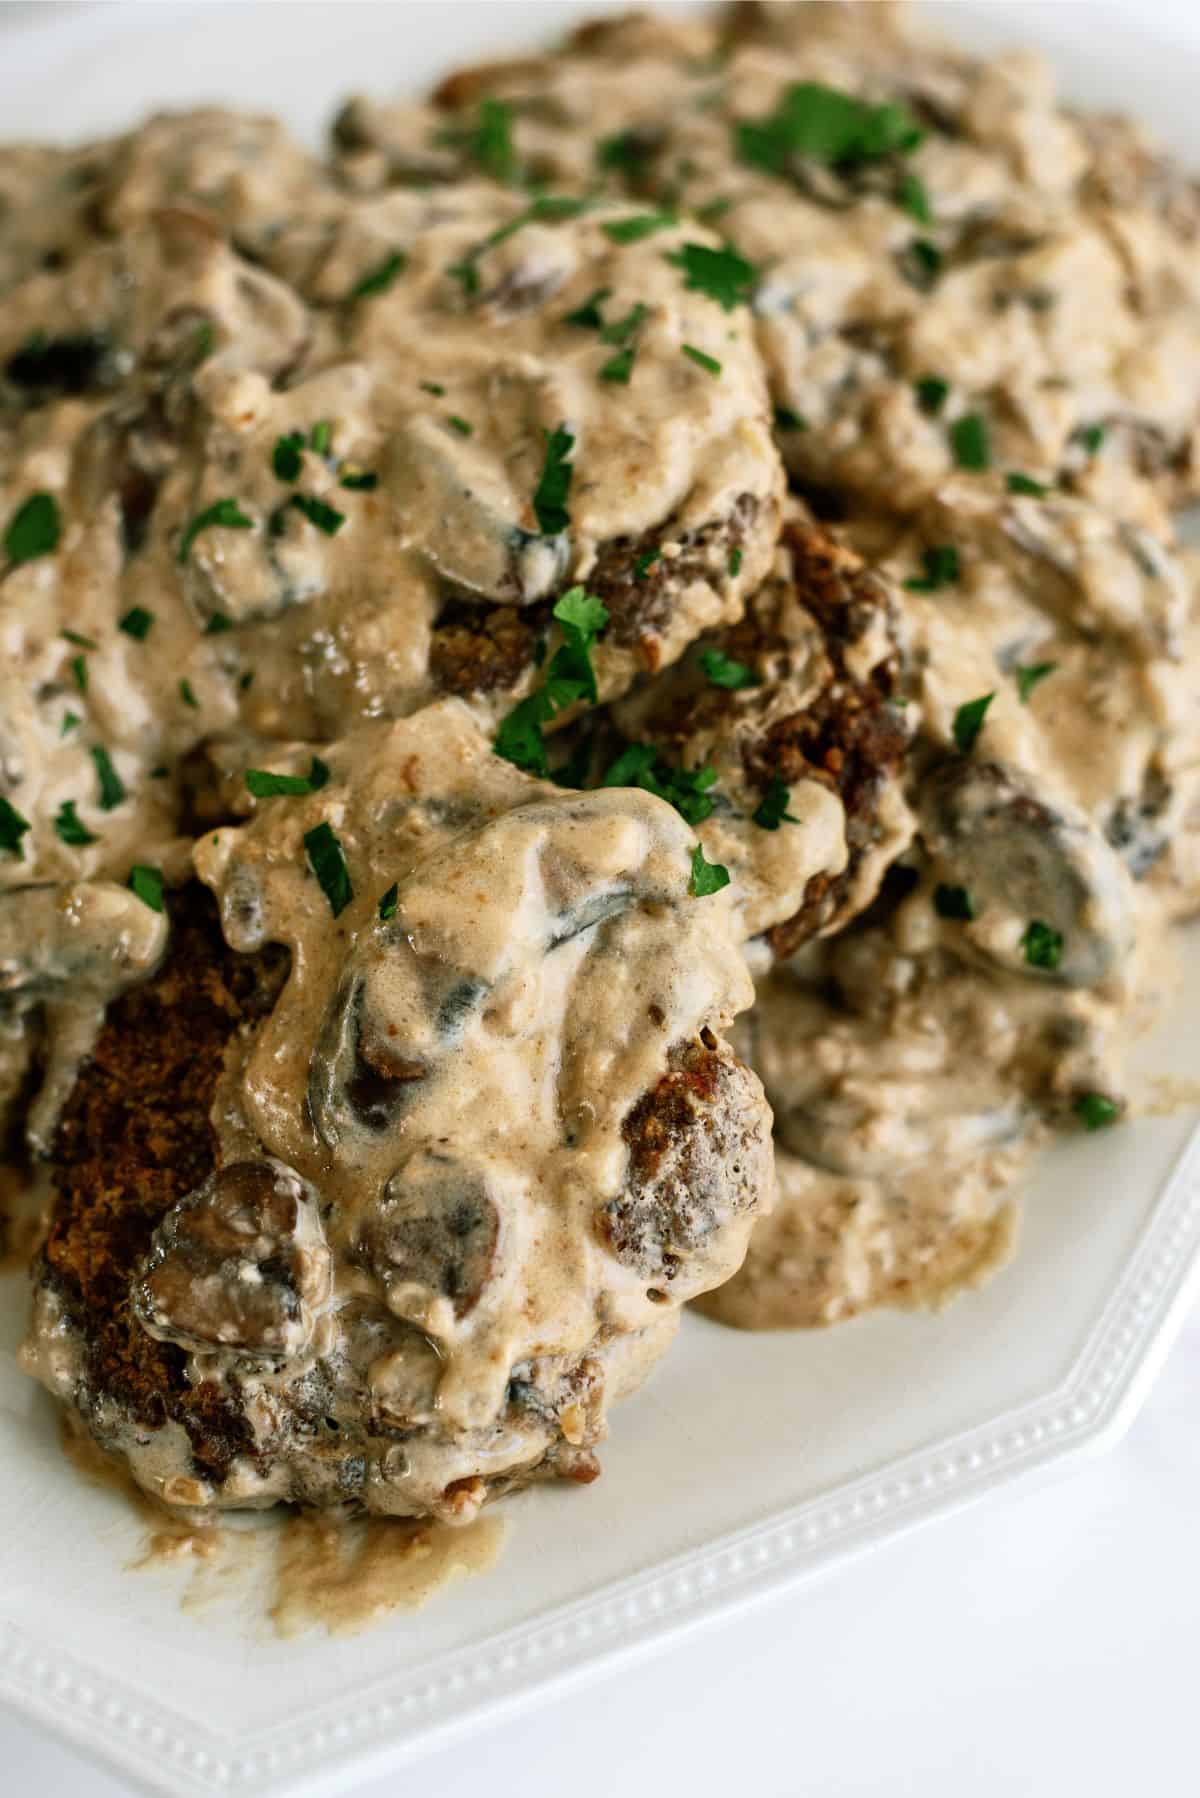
{"points": [[1043, 1643]]}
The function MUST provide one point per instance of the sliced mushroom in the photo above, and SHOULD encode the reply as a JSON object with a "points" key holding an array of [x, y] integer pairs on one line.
{"points": [[436, 1227], [1026, 860]]}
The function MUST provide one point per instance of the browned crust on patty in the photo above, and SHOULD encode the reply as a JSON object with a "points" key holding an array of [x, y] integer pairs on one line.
{"points": [[135, 1137]]}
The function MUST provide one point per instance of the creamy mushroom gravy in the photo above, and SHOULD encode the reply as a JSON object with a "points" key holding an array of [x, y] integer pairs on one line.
{"points": [[429, 1204], [984, 353]]}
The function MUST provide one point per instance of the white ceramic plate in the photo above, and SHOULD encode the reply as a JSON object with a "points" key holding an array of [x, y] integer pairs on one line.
{"points": [[748, 1463]]}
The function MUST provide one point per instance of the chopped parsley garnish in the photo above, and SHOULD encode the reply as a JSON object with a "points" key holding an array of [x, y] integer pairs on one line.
{"points": [[913, 197], [547, 208], [968, 722], [287, 458], [202, 343], [1095, 1111], [70, 827], [80, 641], [1024, 483], [223, 512], [922, 262], [713, 210], [1028, 677], [326, 518], [489, 143], [112, 787], [569, 678], [79, 672], [941, 566], [588, 316], [970, 441], [554, 487], [618, 368], [321, 437], [645, 562], [1043, 945], [624, 150], [246, 681], [707, 877], [461, 425], [380, 278], [821, 123], [263, 784], [389, 901], [723, 275], [736, 558], [708, 363], [1091, 437], [931, 392], [721, 670], [642, 224], [12, 827], [954, 902], [772, 809], [640, 765], [188, 696], [622, 329], [357, 480], [217, 624], [70, 721], [327, 862], [433, 387], [137, 622], [33, 530], [788, 420], [147, 885]]}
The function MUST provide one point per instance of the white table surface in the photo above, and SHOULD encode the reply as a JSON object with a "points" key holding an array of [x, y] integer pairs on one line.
{"points": [[1044, 1643]]}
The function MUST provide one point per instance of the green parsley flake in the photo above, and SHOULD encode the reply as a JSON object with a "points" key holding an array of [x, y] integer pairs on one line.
{"points": [[223, 512], [112, 787], [721, 670], [707, 877], [321, 437], [1091, 437], [1095, 1111], [772, 809], [941, 566], [633, 229], [70, 827], [380, 278], [328, 863], [33, 530], [1028, 677], [922, 262], [723, 275], [645, 562], [490, 145], [713, 210], [137, 622], [970, 441], [589, 317], [569, 679], [1023, 483], [618, 368], [69, 723], [79, 672], [326, 518], [1043, 945], [787, 420], [287, 458], [819, 123], [736, 557], [625, 151], [461, 425], [968, 722], [931, 392], [913, 197], [433, 387], [357, 480], [554, 486], [264, 784], [622, 329], [12, 828], [217, 624], [708, 363], [955, 903], [80, 641], [146, 884], [389, 901], [640, 765]]}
